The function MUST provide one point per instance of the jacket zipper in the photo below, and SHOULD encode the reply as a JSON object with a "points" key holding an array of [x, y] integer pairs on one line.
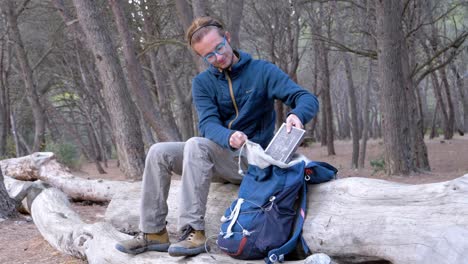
{"points": [[231, 92]]}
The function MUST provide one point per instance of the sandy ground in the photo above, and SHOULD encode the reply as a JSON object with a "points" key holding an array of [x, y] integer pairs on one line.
{"points": [[21, 242]]}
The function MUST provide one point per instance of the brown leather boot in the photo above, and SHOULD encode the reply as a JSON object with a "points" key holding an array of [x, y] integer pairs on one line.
{"points": [[145, 242], [192, 242]]}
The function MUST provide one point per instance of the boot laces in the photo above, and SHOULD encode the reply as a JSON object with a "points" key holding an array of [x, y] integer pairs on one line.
{"points": [[187, 233]]}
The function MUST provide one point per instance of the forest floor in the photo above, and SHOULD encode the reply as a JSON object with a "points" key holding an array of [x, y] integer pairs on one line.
{"points": [[21, 242]]}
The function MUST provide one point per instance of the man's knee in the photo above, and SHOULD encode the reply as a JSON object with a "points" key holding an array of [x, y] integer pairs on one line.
{"points": [[197, 145], [157, 152]]}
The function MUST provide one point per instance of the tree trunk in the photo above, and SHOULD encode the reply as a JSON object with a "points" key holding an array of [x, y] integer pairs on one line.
{"points": [[450, 127], [324, 83], [351, 94], [124, 119], [365, 111], [32, 94], [186, 15], [199, 8], [235, 10], [5, 62], [163, 90], [398, 141], [420, 160], [183, 99], [7, 205], [137, 80], [434, 133], [14, 133], [463, 97]]}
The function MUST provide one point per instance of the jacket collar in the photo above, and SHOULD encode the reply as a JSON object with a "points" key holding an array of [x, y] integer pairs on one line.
{"points": [[234, 70]]}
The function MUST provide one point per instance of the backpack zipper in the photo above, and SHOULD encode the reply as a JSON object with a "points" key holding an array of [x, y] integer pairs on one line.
{"points": [[231, 92]]}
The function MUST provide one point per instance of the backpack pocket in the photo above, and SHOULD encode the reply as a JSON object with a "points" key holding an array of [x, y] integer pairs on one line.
{"points": [[276, 229], [241, 243]]}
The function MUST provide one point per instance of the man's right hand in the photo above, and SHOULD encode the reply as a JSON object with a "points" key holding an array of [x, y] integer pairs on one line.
{"points": [[237, 139]]}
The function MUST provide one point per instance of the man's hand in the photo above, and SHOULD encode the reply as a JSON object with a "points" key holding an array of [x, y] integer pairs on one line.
{"points": [[291, 121], [237, 139]]}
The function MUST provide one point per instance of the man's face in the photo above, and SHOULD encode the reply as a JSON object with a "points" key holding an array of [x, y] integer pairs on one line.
{"points": [[210, 43]]}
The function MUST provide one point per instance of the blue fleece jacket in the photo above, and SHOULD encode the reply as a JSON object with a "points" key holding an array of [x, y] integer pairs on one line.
{"points": [[255, 85]]}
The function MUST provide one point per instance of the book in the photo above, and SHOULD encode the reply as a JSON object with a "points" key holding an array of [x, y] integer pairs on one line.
{"points": [[283, 145]]}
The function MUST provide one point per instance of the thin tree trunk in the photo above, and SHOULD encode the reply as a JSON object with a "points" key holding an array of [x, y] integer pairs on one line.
{"points": [[124, 120], [448, 114], [420, 160], [186, 15], [450, 127], [434, 133], [15, 135], [463, 97], [33, 95], [365, 125], [5, 63], [137, 80], [351, 94], [235, 13], [324, 83], [162, 89], [199, 8], [183, 100], [440, 101]]}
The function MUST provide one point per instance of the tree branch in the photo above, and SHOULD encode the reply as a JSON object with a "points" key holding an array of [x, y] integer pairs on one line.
{"points": [[454, 44]]}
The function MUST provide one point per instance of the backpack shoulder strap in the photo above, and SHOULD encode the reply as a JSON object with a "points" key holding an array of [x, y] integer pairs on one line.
{"points": [[277, 255]]}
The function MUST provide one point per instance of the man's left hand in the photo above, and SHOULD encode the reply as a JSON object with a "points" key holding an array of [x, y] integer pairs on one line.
{"points": [[293, 120]]}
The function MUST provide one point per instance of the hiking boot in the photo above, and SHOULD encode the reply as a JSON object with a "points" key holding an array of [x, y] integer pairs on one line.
{"points": [[192, 242], [145, 242]]}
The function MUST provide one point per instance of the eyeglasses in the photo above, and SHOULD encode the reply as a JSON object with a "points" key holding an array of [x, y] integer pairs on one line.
{"points": [[220, 49]]}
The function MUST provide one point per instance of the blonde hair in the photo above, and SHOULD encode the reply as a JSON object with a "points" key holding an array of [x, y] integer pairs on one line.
{"points": [[200, 27]]}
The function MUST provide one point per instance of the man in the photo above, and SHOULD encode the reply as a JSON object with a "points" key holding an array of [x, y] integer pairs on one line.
{"points": [[234, 99]]}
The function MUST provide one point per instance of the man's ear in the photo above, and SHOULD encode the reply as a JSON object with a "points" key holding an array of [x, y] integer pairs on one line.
{"points": [[228, 37]]}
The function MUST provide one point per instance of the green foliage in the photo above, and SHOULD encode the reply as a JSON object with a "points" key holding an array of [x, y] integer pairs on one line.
{"points": [[66, 153], [378, 165], [10, 151], [307, 142]]}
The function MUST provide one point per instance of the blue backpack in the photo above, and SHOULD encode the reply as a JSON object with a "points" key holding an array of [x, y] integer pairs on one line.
{"points": [[263, 222]]}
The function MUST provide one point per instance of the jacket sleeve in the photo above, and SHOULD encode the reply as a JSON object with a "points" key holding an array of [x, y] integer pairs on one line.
{"points": [[303, 103], [209, 122]]}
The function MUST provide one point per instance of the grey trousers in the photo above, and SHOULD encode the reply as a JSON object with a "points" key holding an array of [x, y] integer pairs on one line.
{"points": [[198, 160]]}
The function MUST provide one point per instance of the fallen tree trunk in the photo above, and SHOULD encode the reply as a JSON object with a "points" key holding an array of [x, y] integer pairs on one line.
{"points": [[44, 166], [64, 230], [354, 219]]}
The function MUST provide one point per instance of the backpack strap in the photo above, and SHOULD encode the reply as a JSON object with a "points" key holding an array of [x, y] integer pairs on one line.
{"points": [[277, 255]]}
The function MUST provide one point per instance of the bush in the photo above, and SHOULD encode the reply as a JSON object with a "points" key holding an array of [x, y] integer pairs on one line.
{"points": [[378, 165], [10, 150], [66, 153]]}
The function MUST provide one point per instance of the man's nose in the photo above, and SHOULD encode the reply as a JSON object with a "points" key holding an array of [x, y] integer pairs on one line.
{"points": [[218, 56]]}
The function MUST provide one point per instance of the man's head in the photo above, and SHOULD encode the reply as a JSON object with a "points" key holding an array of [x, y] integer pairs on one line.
{"points": [[208, 38]]}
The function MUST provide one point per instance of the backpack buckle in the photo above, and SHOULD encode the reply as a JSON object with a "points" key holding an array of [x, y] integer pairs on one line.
{"points": [[273, 258]]}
